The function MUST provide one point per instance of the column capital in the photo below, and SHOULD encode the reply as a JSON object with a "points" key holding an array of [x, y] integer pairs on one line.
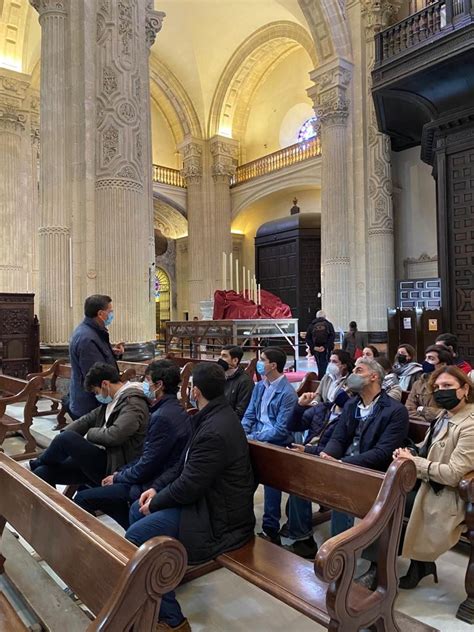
{"points": [[225, 153], [153, 24], [378, 14], [191, 149], [50, 6], [329, 93]]}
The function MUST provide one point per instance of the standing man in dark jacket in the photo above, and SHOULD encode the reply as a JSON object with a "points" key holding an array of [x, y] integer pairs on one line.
{"points": [[370, 425], [167, 435], [206, 500], [320, 339], [100, 442], [238, 385], [90, 344]]}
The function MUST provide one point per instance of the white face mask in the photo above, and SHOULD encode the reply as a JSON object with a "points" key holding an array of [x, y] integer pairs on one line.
{"points": [[333, 370]]}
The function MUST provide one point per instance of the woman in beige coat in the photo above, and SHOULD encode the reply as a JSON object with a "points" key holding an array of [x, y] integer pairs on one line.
{"points": [[442, 459]]}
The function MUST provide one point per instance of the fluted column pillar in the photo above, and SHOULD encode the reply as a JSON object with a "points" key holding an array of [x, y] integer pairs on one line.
{"points": [[198, 225], [54, 234], [332, 109], [224, 152]]}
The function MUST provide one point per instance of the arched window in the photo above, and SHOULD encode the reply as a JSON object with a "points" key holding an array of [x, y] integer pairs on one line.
{"points": [[308, 130], [163, 301]]}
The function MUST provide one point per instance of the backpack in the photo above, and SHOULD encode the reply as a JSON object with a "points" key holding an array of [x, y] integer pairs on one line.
{"points": [[320, 333]]}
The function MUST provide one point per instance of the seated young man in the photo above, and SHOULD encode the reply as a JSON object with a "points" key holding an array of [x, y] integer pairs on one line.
{"points": [[238, 385], [369, 427], [100, 442], [266, 419], [168, 432], [206, 500]]}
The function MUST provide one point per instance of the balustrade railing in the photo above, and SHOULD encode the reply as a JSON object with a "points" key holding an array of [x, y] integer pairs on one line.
{"points": [[166, 175], [277, 160], [425, 25]]}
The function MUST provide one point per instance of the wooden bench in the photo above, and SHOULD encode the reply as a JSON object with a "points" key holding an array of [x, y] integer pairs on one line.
{"points": [[132, 371], [309, 384], [13, 391], [120, 584], [325, 590], [60, 369]]}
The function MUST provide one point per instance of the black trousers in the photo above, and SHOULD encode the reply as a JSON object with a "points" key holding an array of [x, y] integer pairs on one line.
{"points": [[71, 459], [112, 500], [322, 360]]}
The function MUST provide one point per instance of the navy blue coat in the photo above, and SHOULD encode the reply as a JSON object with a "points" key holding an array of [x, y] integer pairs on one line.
{"points": [[315, 419], [89, 344], [386, 430], [168, 432]]}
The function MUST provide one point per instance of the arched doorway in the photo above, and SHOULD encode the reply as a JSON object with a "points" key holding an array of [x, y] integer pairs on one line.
{"points": [[163, 302]]}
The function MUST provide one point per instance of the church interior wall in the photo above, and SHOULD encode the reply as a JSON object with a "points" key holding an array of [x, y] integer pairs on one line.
{"points": [[163, 145], [414, 208]]}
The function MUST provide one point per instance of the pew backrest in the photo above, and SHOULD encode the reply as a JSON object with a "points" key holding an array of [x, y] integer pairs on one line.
{"points": [[309, 384], [13, 390]]}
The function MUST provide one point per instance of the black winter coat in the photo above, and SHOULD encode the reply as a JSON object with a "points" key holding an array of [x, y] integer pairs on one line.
{"points": [[213, 484], [238, 391], [315, 419]]}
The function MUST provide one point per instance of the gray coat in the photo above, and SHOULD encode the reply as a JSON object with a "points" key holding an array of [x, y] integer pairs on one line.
{"points": [[124, 432]]}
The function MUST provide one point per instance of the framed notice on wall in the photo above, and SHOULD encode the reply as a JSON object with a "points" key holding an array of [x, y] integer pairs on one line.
{"points": [[407, 323], [432, 324]]}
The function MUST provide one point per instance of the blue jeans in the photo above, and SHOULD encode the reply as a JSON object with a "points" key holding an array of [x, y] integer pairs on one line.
{"points": [[271, 510], [300, 518], [164, 522], [111, 499], [340, 522]]}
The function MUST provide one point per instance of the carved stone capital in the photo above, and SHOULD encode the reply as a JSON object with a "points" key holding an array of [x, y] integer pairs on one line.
{"points": [[225, 152], [333, 112], [13, 88], [191, 150], [58, 7], [378, 14], [153, 24], [329, 93], [11, 119]]}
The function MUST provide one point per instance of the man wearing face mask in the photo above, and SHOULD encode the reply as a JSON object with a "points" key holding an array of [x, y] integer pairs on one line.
{"points": [[266, 419], [90, 344], [421, 404], [102, 441], [238, 385], [167, 434], [370, 425]]}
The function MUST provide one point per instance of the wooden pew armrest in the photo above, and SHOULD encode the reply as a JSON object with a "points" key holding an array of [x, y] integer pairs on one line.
{"points": [[51, 371], [31, 388], [466, 487]]}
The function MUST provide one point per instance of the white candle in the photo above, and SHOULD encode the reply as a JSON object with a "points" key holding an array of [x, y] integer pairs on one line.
{"points": [[237, 276], [243, 281], [255, 290], [224, 271], [249, 283], [231, 267], [259, 294]]}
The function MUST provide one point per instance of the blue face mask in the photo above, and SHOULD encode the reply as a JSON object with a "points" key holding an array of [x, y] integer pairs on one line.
{"points": [[427, 367], [149, 392], [260, 367], [109, 320], [103, 399]]}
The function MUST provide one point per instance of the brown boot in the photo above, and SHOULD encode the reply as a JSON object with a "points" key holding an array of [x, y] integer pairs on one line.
{"points": [[182, 627]]}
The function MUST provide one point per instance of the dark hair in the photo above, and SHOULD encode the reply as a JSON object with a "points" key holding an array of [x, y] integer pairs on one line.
{"points": [[444, 354], [167, 372], [209, 377], [449, 340], [234, 351], [98, 373], [409, 348], [277, 355], [95, 303], [344, 358], [384, 363], [353, 324], [374, 350], [460, 376]]}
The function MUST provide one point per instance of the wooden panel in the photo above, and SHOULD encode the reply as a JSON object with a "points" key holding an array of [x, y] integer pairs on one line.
{"points": [[9, 620], [19, 335]]}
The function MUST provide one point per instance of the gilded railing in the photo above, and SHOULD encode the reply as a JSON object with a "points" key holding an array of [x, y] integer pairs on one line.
{"points": [[277, 160], [424, 26], [166, 175]]}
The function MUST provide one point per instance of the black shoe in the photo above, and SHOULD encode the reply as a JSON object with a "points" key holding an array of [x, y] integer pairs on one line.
{"points": [[304, 548], [274, 538], [34, 463], [369, 578], [416, 572], [284, 531]]}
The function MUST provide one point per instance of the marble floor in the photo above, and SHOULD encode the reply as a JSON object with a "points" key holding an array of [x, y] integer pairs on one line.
{"points": [[222, 602]]}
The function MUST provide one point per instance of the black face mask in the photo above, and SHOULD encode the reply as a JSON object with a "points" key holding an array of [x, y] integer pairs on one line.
{"points": [[446, 398], [428, 367], [221, 362], [402, 359]]}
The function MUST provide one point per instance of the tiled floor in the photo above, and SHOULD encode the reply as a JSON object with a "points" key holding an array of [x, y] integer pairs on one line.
{"points": [[222, 602]]}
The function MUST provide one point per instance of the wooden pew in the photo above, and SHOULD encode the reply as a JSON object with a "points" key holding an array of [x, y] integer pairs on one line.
{"points": [[309, 384], [132, 371], [120, 584], [14, 390], [325, 591], [58, 370]]}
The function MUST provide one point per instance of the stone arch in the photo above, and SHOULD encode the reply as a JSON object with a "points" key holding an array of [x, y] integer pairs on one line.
{"points": [[328, 25], [257, 56], [173, 101], [169, 220]]}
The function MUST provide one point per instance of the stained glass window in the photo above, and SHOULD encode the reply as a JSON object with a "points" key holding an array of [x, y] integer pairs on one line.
{"points": [[308, 130]]}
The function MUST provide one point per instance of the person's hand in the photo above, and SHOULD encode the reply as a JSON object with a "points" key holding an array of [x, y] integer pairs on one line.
{"points": [[108, 480], [306, 399], [402, 453], [119, 349], [145, 500], [328, 457], [319, 349], [296, 447]]}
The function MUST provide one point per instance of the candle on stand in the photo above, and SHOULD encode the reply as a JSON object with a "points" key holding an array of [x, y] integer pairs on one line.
{"points": [[243, 281], [231, 271], [249, 283], [255, 290], [237, 276], [259, 290], [224, 271]]}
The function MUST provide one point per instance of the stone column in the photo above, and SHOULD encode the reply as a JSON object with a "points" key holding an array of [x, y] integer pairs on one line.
{"points": [[16, 187], [198, 225], [380, 232], [55, 291], [224, 152], [332, 109]]}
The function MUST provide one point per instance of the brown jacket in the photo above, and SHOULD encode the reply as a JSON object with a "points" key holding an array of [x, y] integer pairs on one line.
{"points": [[437, 520], [420, 395]]}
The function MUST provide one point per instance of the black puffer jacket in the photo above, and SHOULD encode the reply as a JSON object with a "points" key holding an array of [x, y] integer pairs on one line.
{"points": [[238, 391], [213, 484]]}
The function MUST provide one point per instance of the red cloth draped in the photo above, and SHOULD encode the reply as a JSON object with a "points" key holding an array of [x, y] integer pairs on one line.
{"points": [[228, 305]]}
